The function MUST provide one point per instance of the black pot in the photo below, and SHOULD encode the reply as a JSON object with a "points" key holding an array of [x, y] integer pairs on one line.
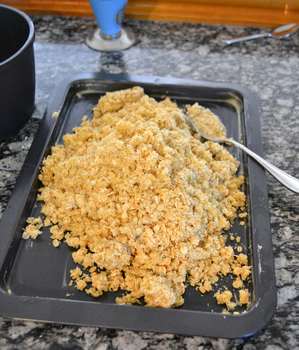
{"points": [[17, 72]]}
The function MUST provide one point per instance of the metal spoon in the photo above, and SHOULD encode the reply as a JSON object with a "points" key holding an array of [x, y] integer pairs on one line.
{"points": [[280, 32], [285, 179]]}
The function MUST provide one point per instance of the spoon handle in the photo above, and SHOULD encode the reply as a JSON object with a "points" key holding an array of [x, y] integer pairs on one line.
{"points": [[245, 38], [285, 179]]}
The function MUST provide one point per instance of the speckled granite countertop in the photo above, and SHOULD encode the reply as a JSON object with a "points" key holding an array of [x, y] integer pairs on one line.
{"points": [[269, 67]]}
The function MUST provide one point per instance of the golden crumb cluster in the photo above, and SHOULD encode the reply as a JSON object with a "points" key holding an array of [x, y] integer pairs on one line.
{"points": [[33, 228], [142, 202]]}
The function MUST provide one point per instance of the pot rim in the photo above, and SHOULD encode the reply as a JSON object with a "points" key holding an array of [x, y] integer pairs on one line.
{"points": [[29, 39]]}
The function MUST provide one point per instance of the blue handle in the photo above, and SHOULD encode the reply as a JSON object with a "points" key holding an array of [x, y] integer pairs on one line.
{"points": [[106, 12]]}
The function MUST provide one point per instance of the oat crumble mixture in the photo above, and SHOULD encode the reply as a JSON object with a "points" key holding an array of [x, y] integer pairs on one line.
{"points": [[143, 203]]}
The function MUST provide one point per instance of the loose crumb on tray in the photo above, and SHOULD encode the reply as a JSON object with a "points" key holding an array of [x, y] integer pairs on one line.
{"points": [[32, 230], [244, 296], [225, 298], [143, 203], [238, 283]]}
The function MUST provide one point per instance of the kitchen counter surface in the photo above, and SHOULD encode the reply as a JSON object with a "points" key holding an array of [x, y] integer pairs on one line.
{"points": [[268, 67]]}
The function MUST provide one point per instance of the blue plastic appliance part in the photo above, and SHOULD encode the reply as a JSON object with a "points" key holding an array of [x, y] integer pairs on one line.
{"points": [[107, 16]]}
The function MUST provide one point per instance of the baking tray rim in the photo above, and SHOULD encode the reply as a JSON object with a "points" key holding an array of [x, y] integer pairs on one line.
{"points": [[188, 322]]}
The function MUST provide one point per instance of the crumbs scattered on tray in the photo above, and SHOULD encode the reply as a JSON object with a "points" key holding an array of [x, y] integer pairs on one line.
{"points": [[33, 229], [144, 204]]}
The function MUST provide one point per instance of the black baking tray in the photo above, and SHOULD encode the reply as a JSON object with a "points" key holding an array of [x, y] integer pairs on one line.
{"points": [[34, 276]]}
